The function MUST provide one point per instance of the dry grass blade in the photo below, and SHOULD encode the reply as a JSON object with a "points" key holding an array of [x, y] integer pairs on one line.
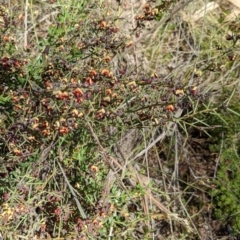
{"points": [[176, 10], [25, 25], [167, 131], [162, 22], [136, 179], [46, 151], [202, 12]]}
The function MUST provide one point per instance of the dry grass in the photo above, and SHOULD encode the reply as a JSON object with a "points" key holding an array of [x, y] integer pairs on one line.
{"points": [[183, 49], [143, 181]]}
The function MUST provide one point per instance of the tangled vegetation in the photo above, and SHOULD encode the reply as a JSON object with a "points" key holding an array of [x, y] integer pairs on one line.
{"points": [[66, 100]]}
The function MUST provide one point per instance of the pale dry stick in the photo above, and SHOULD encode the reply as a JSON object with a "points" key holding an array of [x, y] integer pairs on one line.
{"points": [[189, 217], [235, 2], [72, 190], [25, 25]]}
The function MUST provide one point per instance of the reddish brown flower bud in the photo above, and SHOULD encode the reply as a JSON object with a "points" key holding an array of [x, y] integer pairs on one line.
{"points": [[78, 92]]}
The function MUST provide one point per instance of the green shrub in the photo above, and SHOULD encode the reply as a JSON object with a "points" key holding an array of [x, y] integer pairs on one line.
{"points": [[226, 143]]}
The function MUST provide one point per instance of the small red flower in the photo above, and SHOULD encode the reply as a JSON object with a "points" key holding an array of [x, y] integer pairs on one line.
{"points": [[102, 24], [63, 130], [107, 59], [105, 72], [78, 92], [170, 108], [89, 81], [92, 72]]}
